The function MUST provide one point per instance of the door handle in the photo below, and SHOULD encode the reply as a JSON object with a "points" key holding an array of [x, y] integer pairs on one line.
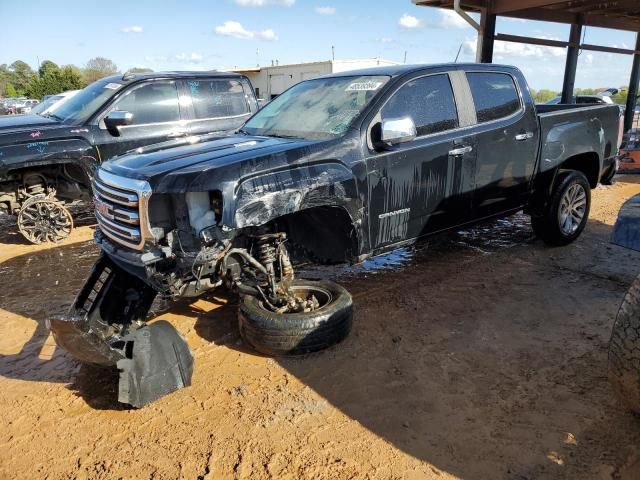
{"points": [[460, 150], [524, 136]]}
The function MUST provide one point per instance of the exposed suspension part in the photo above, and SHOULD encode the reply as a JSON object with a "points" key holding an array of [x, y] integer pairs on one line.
{"points": [[268, 275]]}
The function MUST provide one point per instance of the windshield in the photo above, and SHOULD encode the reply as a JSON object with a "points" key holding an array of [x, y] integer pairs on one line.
{"points": [[316, 109], [84, 103], [44, 105]]}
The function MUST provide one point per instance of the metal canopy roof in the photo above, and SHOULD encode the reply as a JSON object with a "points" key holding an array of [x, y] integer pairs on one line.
{"points": [[617, 14]]}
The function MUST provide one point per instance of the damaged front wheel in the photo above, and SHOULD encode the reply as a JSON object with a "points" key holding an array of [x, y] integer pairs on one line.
{"points": [[297, 333]]}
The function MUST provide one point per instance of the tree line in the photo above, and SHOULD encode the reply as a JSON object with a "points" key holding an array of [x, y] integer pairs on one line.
{"points": [[544, 95], [20, 80]]}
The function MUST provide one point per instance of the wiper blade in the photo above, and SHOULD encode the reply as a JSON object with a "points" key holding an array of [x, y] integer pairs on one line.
{"points": [[281, 136], [51, 115]]}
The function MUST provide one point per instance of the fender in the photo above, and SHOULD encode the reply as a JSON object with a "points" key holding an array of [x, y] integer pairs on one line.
{"points": [[264, 197], [44, 152]]}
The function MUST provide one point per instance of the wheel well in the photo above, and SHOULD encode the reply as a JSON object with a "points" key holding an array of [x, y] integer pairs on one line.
{"points": [[587, 163], [321, 234]]}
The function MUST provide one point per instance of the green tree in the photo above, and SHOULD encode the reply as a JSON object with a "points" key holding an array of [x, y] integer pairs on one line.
{"points": [[10, 90], [21, 75], [139, 70], [77, 71], [55, 81], [47, 66], [98, 68], [5, 78], [544, 95]]}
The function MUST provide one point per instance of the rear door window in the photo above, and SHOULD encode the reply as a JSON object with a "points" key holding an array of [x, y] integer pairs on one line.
{"points": [[218, 98], [151, 103], [495, 95], [428, 101]]}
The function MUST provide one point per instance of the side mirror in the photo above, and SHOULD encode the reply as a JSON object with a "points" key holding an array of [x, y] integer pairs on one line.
{"points": [[398, 130], [117, 118]]}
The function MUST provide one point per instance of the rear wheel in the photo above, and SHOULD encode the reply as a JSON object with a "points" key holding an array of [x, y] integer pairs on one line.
{"points": [[624, 350], [568, 211], [274, 333]]}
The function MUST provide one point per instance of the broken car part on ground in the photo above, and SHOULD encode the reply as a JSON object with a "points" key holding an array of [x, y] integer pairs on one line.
{"points": [[339, 169]]}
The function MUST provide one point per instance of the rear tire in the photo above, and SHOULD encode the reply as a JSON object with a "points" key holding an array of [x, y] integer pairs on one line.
{"points": [[568, 211], [283, 334], [624, 350]]}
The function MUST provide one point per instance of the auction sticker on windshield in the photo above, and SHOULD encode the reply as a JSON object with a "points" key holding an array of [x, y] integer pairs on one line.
{"points": [[363, 86]]}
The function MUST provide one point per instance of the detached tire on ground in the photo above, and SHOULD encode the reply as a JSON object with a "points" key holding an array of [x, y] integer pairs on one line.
{"points": [[298, 333], [624, 349], [568, 211]]}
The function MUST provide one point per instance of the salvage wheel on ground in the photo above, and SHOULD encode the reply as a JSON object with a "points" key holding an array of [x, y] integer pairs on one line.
{"points": [[624, 349], [568, 211], [44, 219], [274, 333]]}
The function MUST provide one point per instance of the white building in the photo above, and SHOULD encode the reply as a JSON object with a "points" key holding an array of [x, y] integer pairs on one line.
{"points": [[271, 81]]}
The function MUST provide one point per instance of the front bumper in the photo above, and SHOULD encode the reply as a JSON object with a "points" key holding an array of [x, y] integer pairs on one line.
{"points": [[105, 326]]}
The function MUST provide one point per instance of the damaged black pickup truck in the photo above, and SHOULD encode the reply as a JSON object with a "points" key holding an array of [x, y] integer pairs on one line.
{"points": [[336, 169]]}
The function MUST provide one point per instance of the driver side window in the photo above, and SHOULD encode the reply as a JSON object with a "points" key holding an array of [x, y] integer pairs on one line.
{"points": [[151, 103], [428, 101]]}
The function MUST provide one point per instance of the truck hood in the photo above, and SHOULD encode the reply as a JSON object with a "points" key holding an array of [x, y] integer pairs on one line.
{"points": [[13, 123], [16, 129], [184, 167]]}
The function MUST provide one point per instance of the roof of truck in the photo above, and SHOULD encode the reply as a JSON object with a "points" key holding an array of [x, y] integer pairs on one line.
{"points": [[396, 70], [171, 74]]}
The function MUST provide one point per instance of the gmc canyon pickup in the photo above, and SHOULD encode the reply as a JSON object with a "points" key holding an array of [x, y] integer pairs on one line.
{"points": [[336, 169], [48, 161]]}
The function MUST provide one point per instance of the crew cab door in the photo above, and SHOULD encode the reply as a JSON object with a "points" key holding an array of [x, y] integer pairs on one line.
{"points": [[219, 105], [507, 136], [155, 107], [425, 184]]}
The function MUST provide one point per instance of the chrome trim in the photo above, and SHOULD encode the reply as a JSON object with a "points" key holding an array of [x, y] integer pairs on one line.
{"points": [[132, 237], [209, 119], [115, 196], [114, 213], [122, 231]]}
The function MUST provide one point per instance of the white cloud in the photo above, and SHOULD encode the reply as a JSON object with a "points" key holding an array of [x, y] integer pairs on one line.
{"points": [[132, 29], [587, 58], [262, 3], [513, 20], [236, 30], [502, 50], [192, 58], [269, 35], [385, 40], [622, 45], [450, 19], [409, 21], [155, 58], [326, 10]]}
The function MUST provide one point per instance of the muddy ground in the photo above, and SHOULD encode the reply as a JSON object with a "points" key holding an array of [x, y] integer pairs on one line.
{"points": [[480, 355]]}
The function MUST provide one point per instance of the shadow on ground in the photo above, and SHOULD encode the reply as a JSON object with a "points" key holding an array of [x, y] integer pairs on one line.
{"points": [[453, 341]]}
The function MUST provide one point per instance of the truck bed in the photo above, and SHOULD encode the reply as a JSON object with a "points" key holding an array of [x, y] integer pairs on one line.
{"points": [[568, 130]]}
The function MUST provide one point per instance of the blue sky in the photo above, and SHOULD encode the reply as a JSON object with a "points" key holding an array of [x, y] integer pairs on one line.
{"points": [[199, 34]]}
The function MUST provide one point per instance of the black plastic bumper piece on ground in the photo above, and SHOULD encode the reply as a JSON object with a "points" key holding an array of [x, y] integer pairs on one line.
{"points": [[626, 232], [159, 363], [102, 327]]}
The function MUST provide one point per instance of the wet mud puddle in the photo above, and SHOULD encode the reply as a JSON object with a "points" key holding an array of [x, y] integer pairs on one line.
{"points": [[483, 239]]}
